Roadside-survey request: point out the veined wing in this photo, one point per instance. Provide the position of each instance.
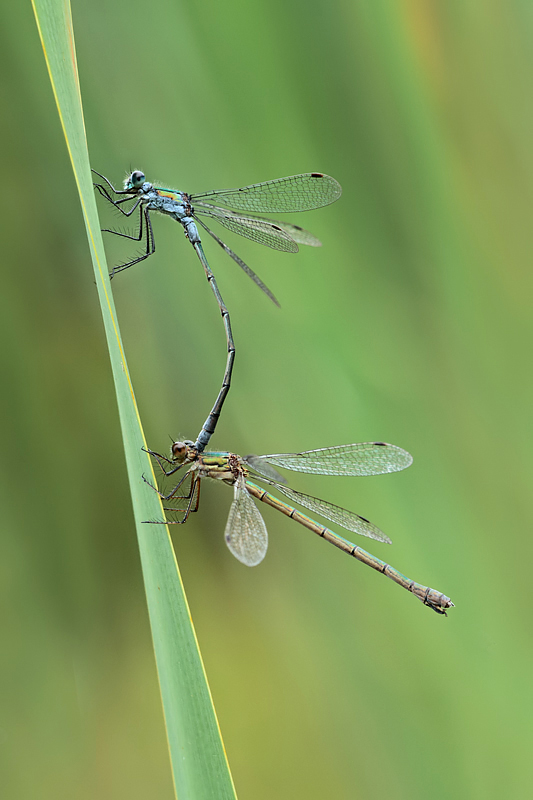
(300, 235)
(294, 193)
(246, 534)
(262, 231)
(363, 458)
(256, 279)
(295, 232)
(341, 516)
(262, 467)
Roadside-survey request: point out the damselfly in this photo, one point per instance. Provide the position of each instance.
(246, 533)
(294, 193)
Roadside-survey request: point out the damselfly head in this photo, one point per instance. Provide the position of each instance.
(180, 450)
(134, 181)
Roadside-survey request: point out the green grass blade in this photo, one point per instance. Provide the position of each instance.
(199, 764)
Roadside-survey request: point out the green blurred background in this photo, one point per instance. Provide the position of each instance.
(412, 325)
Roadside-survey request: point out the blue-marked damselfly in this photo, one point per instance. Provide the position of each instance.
(282, 195)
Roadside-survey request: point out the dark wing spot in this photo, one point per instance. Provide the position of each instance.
(365, 520)
(276, 227)
(317, 174)
(381, 444)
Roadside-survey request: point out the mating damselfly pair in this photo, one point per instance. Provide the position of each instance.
(246, 534)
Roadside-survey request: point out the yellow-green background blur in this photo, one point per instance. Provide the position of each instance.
(411, 325)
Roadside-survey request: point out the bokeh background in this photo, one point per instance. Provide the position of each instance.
(411, 325)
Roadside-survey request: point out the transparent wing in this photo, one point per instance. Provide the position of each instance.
(299, 235)
(341, 516)
(258, 230)
(363, 458)
(295, 193)
(256, 279)
(246, 534)
(262, 467)
(295, 232)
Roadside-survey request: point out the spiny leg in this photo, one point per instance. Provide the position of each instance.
(199, 483)
(102, 191)
(117, 203)
(116, 191)
(159, 458)
(143, 213)
(172, 494)
(139, 236)
(211, 422)
(105, 194)
(150, 242)
(194, 498)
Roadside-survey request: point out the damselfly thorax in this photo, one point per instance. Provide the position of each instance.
(217, 466)
(226, 467)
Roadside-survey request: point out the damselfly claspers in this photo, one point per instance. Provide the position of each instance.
(246, 533)
(294, 193)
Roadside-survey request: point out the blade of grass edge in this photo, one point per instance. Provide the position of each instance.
(199, 763)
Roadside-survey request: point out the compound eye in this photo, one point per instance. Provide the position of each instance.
(179, 451)
(137, 178)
